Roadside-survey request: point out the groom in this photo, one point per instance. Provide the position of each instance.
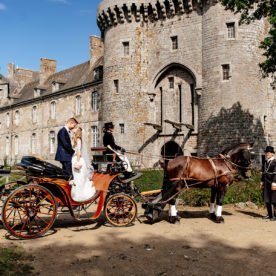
(64, 149)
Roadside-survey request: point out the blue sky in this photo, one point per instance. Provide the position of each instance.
(55, 29)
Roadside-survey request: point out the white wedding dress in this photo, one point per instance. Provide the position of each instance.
(82, 184)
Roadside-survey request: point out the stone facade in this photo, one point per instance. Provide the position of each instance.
(32, 113)
(213, 62)
(179, 76)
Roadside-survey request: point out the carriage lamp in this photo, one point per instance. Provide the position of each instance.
(151, 96)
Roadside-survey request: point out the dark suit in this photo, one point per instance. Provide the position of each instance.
(64, 150)
(269, 177)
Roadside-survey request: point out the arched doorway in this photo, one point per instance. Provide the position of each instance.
(170, 150)
(176, 99)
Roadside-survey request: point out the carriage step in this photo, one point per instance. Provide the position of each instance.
(125, 181)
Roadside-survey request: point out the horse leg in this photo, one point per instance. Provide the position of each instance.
(212, 214)
(173, 218)
(219, 203)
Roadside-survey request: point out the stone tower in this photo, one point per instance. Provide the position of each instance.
(184, 61)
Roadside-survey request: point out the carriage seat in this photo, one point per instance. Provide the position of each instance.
(38, 167)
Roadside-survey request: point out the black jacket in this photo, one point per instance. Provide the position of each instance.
(108, 139)
(269, 177)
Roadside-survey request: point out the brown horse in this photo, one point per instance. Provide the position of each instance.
(217, 173)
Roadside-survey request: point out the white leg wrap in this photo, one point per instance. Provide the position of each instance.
(173, 211)
(219, 211)
(212, 208)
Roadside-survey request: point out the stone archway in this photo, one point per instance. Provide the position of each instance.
(170, 150)
(175, 98)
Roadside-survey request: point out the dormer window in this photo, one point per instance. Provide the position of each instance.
(55, 86)
(37, 92)
(98, 73)
(58, 83)
(4, 90)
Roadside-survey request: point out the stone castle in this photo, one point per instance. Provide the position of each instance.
(174, 76)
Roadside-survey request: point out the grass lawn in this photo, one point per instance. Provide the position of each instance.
(13, 262)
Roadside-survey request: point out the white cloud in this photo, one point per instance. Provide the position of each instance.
(66, 2)
(2, 7)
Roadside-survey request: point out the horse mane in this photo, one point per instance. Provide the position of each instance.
(234, 148)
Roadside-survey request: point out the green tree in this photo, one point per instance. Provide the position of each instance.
(251, 10)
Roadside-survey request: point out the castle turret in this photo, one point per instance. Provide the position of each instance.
(176, 63)
(152, 68)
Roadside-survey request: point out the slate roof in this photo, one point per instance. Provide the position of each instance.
(69, 78)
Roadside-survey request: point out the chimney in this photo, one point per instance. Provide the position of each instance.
(96, 49)
(24, 76)
(47, 68)
(11, 70)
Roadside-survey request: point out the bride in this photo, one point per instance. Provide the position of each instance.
(82, 185)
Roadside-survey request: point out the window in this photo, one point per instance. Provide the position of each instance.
(225, 71)
(171, 82)
(33, 143)
(34, 114)
(7, 146)
(16, 145)
(52, 142)
(116, 86)
(53, 110)
(16, 117)
(231, 30)
(0, 125)
(8, 120)
(94, 136)
(122, 128)
(78, 106)
(37, 92)
(126, 48)
(55, 86)
(95, 105)
(98, 73)
(174, 42)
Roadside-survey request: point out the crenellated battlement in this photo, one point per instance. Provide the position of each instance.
(111, 13)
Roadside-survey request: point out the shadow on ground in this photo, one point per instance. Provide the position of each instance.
(154, 255)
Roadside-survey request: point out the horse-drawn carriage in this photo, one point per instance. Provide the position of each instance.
(30, 210)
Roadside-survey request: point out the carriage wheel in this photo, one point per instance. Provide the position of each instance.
(120, 210)
(29, 211)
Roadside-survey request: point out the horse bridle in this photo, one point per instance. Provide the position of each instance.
(234, 164)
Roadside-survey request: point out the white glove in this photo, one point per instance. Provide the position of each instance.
(77, 166)
(273, 186)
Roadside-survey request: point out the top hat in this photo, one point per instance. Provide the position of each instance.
(108, 125)
(269, 149)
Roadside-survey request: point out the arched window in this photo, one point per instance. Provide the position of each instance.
(34, 114)
(8, 120)
(33, 143)
(16, 145)
(78, 106)
(16, 117)
(52, 142)
(53, 110)
(7, 146)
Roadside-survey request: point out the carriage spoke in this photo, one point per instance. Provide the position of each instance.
(29, 211)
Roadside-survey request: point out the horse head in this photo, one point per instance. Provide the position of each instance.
(240, 157)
